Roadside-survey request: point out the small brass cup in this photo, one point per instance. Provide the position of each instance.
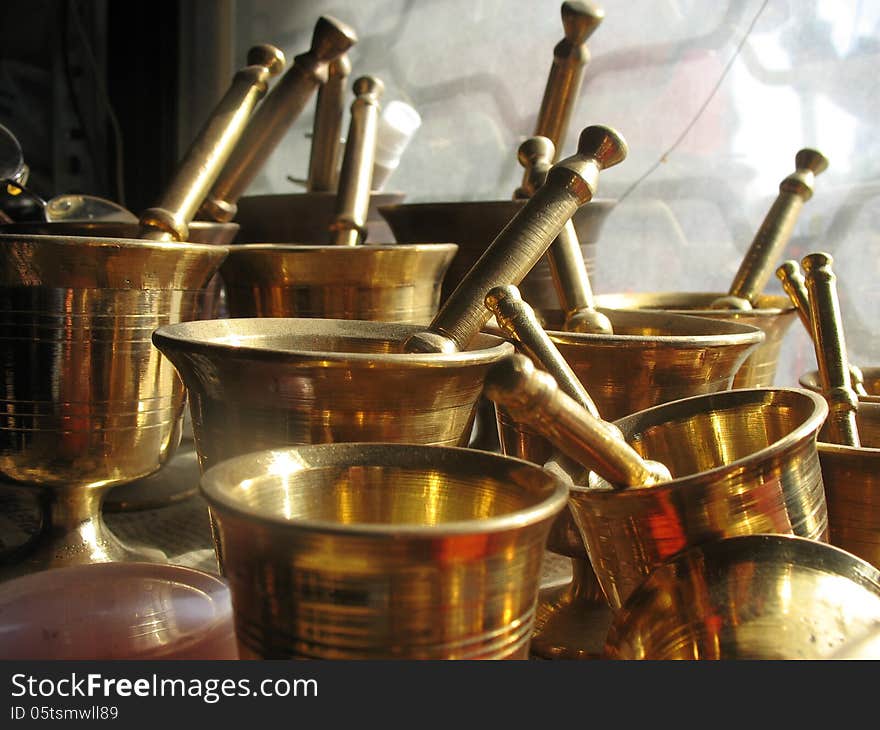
(264, 383)
(378, 551)
(473, 224)
(742, 461)
(749, 597)
(88, 402)
(773, 314)
(388, 283)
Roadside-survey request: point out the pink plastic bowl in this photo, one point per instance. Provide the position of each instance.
(117, 611)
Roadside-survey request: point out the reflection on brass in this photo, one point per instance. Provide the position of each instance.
(473, 224)
(264, 383)
(389, 283)
(282, 106)
(749, 597)
(570, 56)
(772, 314)
(830, 347)
(532, 397)
(169, 218)
(652, 358)
(864, 647)
(382, 551)
(87, 401)
(565, 258)
(743, 462)
(774, 233)
(327, 128)
(570, 183)
(356, 177)
(870, 378)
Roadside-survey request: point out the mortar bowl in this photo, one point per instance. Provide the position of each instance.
(264, 383)
(388, 283)
(749, 597)
(382, 551)
(773, 314)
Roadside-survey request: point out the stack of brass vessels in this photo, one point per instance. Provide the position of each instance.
(88, 401)
(744, 302)
(472, 224)
(849, 445)
(344, 279)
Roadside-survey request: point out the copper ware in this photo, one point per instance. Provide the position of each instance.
(261, 383)
(327, 127)
(382, 551)
(87, 401)
(330, 39)
(743, 461)
(744, 301)
(749, 597)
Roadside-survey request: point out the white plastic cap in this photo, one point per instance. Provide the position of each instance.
(397, 125)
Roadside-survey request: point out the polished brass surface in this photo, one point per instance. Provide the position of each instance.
(270, 382)
(473, 224)
(830, 347)
(327, 127)
(356, 177)
(760, 260)
(532, 397)
(168, 220)
(305, 218)
(272, 119)
(390, 283)
(570, 56)
(511, 255)
(87, 401)
(743, 462)
(773, 314)
(378, 551)
(864, 647)
(519, 321)
(749, 597)
(852, 486)
(209, 232)
(870, 379)
(565, 258)
(789, 273)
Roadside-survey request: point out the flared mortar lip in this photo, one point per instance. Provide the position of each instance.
(783, 305)
(212, 481)
(115, 242)
(270, 247)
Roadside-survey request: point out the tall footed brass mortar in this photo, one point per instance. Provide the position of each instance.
(382, 551)
(651, 358)
(678, 474)
(88, 402)
(745, 301)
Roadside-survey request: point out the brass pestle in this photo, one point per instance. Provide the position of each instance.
(327, 128)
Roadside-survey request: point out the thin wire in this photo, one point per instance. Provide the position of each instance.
(108, 107)
(681, 137)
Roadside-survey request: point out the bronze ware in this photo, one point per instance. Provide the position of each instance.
(749, 597)
(744, 301)
(789, 273)
(282, 106)
(381, 551)
(327, 128)
(356, 177)
(830, 346)
(87, 401)
(168, 220)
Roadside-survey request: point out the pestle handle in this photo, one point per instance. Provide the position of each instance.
(331, 38)
(349, 227)
(570, 57)
(533, 397)
(516, 317)
(327, 127)
(169, 219)
(517, 248)
(828, 339)
(775, 232)
(789, 273)
(565, 258)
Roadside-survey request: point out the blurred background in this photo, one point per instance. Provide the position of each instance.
(715, 97)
